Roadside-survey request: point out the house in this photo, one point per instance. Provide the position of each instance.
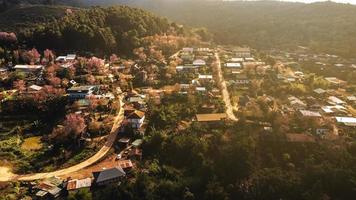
(126, 165)
(236, 60)
(347, 121)
(128, 109)
(200, 76)
(241, 79)
(319, 91)
(290, 79)
(28, 68)
(107, 176)
(136, 119)
(187, 68)
(242, 52)
(249, 59)
(253, 63)
(188, 50)
(296, 103)
(233, 65)
(299, 74)
(34, 88)
(335, 101)
(203, 49)
(77, 184)
(205, 79)
(236, 71)
(336, 109)
(124, 142)
(309, 113)
(210, 117)
(3, 71)
(335, 81)
(136, 98)
(81, 92)
(48, 192)
(49, 189)
(199, 62)
(184, 86)
(68, 58)
(351, 99)
(200, 89)
(66, 65)
(304, 138)
(135, 153)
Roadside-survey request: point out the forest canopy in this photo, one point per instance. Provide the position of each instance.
(325, 27)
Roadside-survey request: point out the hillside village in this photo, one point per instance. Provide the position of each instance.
(314, 108)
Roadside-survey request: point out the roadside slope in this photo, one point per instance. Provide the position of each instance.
(8, 176)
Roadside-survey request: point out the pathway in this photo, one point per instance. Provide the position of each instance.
(6, 175)
(224, 91)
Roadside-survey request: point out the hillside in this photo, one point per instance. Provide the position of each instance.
(22, 17)
(326, 27)
(97, 30)
(8, 4)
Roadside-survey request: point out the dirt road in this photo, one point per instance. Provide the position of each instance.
(224, 91)
(6, 175)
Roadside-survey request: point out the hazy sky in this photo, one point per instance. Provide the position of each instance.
(310, 1)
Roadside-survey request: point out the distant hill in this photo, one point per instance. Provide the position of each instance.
(97, 30)
(20, 18)
(327, 27)
(324, 27)
(8, 4)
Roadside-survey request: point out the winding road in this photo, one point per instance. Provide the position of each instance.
(225, 93)
(6, 175)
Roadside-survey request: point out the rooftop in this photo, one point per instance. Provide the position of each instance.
(238, 65)
(295, 137)
(136, 115)
(35, 87)
(30, 67)
(211, 117)
(124, 164)
(308, 113)
(236, 59)
(77, 184)
(205, 76)
(108, 174)
(319, 91)
(348, 121)
(336, 100)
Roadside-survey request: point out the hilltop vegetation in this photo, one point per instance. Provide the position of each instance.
(325, 27)
(24, 17)
(98, 30)
(7, 4)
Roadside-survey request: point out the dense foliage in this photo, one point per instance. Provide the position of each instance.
(326, 27)
(99, 30)
(8, 4)
(233, 161)
(96, 30)
(21, 18)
